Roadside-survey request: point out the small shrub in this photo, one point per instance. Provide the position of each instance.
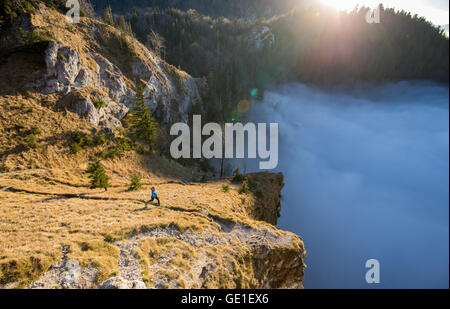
(102, 154)
(135, 183)
(244, 189)
(31, 141)
(99, 103)
(225, 188)
(20, 127)
(109, 238)
(69, 28)
(25, 108)
(33, 37)
(84, 246)
(251, 183)
(83, 139)
(122, 145)
(111, 153)
(35, 130)
(139, 149)
(88, 140)
(79, 138)
(97, 174)
(237, 177)
(76, 148)
(100, 140)
(125, 144)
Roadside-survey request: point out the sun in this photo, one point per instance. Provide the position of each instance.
(346, 5)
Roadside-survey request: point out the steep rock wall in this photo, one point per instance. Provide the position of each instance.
(109, 63)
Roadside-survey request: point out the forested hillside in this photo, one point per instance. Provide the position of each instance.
(240, 57)
(213, 8)
(312, 44)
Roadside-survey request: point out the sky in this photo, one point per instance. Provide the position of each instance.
(436, 11)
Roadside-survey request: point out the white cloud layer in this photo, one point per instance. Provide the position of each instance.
(366, 178)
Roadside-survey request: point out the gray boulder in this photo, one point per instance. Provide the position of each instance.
(120, 283)
(171, 94)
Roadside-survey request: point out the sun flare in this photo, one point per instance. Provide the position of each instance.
(347, 5)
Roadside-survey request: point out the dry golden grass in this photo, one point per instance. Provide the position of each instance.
(51, 209)
(178, 254)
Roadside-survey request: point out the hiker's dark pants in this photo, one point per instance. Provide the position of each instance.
(155, 198)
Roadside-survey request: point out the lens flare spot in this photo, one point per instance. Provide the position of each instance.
(254, 92)
(243, 106)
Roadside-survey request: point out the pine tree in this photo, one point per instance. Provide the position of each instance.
(135, 183)
(141, 122)
(108, 18)
(125, 26)
(97, 175)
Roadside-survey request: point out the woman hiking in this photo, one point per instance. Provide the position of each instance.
(154, 196)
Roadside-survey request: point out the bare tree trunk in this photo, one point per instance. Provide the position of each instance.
(223, 150)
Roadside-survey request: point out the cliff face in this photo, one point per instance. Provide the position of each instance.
(91, 62)
(267, 190)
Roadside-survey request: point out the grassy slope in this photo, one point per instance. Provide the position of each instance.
(45, 200)
(48, 203)
(45, 210)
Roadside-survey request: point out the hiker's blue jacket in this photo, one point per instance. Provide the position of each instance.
(154, 194)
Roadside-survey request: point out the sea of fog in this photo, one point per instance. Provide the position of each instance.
(367, 177)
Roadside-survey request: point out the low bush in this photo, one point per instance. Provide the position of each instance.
(35, 130)
(125, 144)
(99, 103)
(237, 177)
(31, 141)
(76, 148)
(251, 183)
(101, 140)
(83, 139)
(111, 152)
(244, 189)
(135, 183)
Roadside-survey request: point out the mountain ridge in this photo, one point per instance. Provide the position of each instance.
(215, 8)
